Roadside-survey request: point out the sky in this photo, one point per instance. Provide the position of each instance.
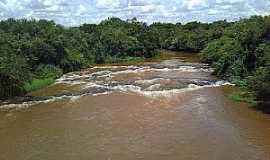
(76, 12)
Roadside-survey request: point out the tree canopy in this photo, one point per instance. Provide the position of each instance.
(32, 49)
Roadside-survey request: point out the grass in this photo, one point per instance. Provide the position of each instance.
(242, 95)
(37, 84)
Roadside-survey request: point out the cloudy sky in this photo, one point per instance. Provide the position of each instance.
(75, 12)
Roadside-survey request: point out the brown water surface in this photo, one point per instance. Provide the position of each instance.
(169, 108)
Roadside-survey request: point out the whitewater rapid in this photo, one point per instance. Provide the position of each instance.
(162, 79)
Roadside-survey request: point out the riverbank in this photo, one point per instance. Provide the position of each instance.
(240, 93)
(40, 83)
(244, 95)
(37, 84)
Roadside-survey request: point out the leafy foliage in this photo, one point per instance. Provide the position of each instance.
(34, 52)
(243, 52)
(30, 49)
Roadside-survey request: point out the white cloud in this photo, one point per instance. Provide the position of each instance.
(71, 12)
(107, 3)
(213, 12)
(149, 8)
(191, 4)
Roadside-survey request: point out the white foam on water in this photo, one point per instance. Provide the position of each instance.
(105, 93)
(72, 99)
(149, 92)
(153, 87)
(76, 79)
(75, 98)
(133, 70)
(73, 79)
(89, 80)
(31, 103)
(100, 73)
(114, 67)
(182, 69)
(18, 106)
(126, 88)
(172, 92)
(149, 69)
(193, 86)
(98, 84)
(151, 81)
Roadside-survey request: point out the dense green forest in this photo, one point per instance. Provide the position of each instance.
(238, 51)
(34, 51)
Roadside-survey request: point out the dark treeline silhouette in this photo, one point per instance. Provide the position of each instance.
(30, 49)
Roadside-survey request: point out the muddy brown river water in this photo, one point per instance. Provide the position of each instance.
(167, 108)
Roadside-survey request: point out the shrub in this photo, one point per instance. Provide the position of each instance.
(48, 71)
(260, 83)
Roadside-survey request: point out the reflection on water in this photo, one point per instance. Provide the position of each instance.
(165, 108)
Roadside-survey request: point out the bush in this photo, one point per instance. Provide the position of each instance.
(48, 71)
(260, 83)
(10, 87)
(211, 54)
(14, 72)
(226, 56)
(73, 61)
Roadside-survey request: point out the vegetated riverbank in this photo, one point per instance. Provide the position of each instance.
(238, 51)
(37, 84)
(244, 95)
(32, 52)
(240, 92)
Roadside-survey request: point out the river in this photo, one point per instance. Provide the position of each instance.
(166, 108)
